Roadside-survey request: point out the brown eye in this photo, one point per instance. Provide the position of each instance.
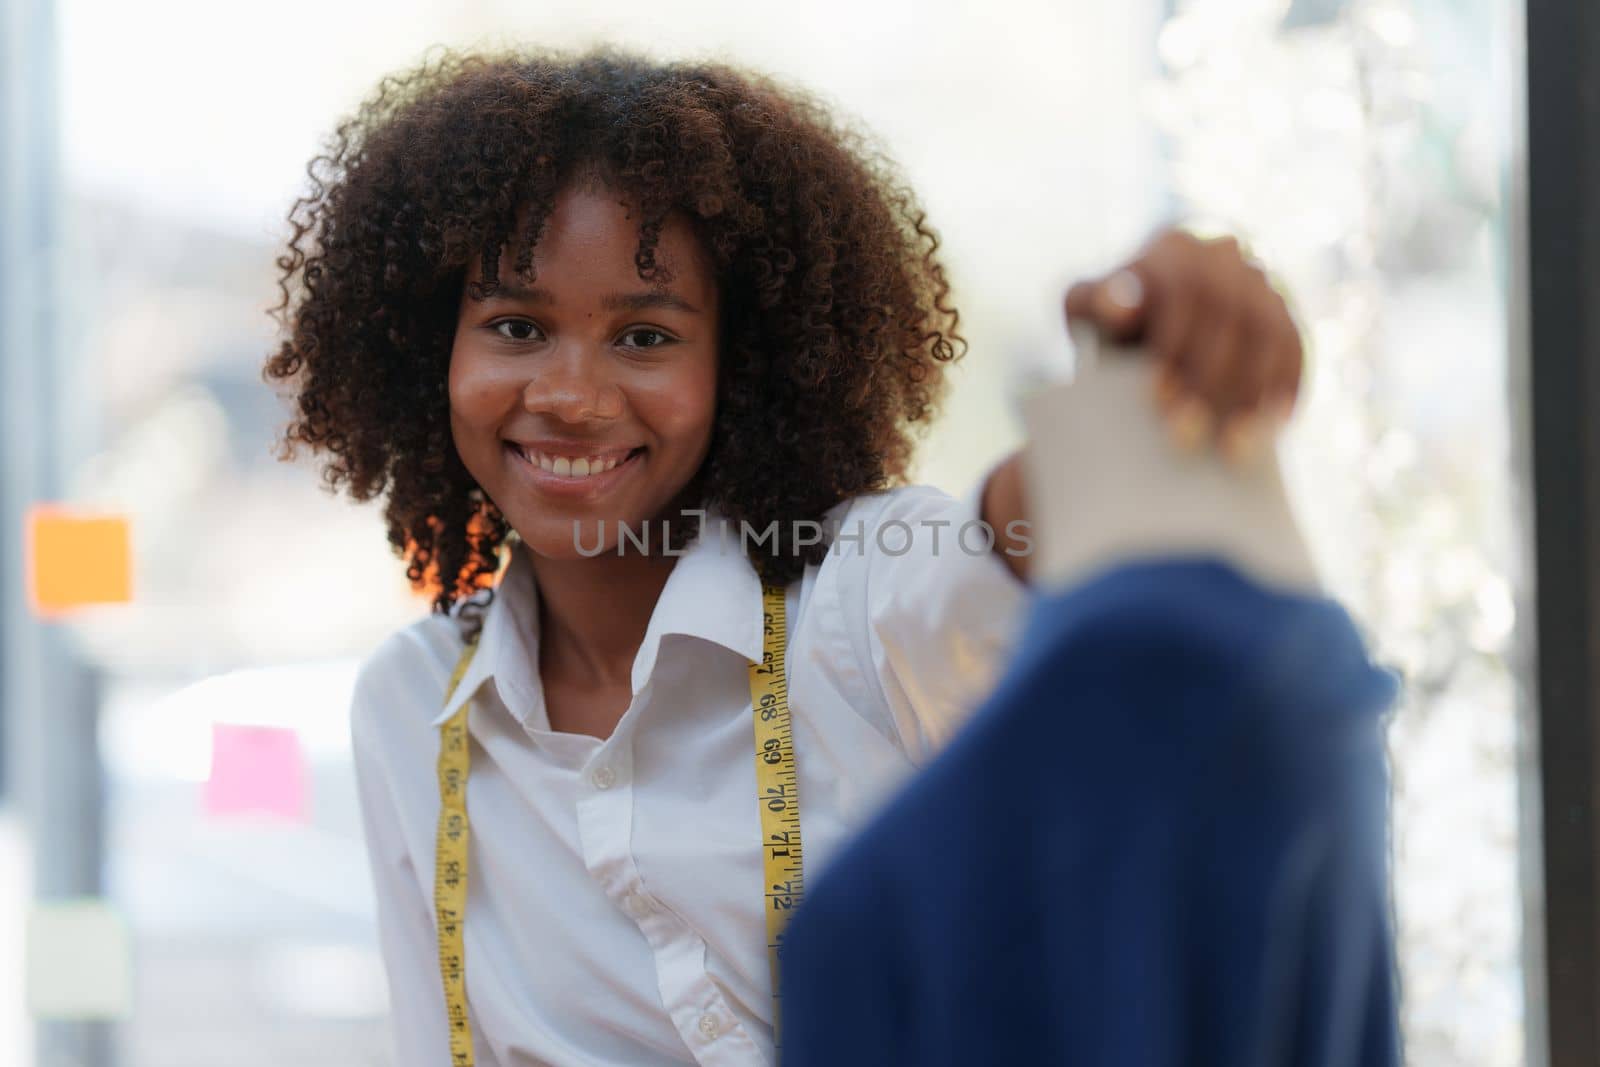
(515, 324)
(660, 337)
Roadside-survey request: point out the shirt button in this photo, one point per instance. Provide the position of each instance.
(708, 1026)
(603, 777)
(638, 905)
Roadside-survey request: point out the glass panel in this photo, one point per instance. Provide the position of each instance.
(1359, 146)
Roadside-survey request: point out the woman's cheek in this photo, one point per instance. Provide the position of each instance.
(476, 392)
(699, 397)
(678, 407)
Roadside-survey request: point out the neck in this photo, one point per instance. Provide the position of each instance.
(593, 612)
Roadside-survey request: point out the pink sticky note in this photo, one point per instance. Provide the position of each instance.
(256, 769)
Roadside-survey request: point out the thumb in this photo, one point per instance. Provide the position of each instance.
(1114, 304)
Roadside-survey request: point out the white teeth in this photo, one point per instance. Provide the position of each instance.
(570, 468)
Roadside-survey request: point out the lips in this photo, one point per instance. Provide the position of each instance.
(580, 477)
(570, 466)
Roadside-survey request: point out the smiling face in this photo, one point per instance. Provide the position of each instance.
(590, 396)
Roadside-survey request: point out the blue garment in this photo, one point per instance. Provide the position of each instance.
(1162, 841)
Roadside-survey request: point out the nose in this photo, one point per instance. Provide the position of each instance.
(574, 385)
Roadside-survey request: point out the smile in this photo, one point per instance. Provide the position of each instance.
(583, 475)
(569, 467)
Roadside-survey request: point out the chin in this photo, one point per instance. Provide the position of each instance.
(572, 536)
(577, 536)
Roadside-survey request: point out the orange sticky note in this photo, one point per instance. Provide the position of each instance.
(76, 559)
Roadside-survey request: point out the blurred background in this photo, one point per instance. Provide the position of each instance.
(152, 151)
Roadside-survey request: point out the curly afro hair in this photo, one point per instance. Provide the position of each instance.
(836, 320)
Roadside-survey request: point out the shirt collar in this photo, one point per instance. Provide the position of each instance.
(508, 643)
(713, 593)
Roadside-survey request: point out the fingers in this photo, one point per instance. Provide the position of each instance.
(1216, 363)
(1292, 359)
(1114, 304)
(1229, 353)
(1173, 327)
(1263, 386)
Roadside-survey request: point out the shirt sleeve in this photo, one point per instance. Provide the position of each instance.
(935, 610)
(405, 918)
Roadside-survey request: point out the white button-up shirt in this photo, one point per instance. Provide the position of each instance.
(615, 910)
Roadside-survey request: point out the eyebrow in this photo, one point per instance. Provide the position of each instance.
(638, 301)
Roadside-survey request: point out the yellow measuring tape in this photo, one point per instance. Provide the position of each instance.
(450, 866)
(777, 790)
(777, 796)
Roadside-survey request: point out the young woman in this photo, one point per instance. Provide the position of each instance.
(622, 344)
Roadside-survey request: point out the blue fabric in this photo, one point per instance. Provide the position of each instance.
(1161, 841)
